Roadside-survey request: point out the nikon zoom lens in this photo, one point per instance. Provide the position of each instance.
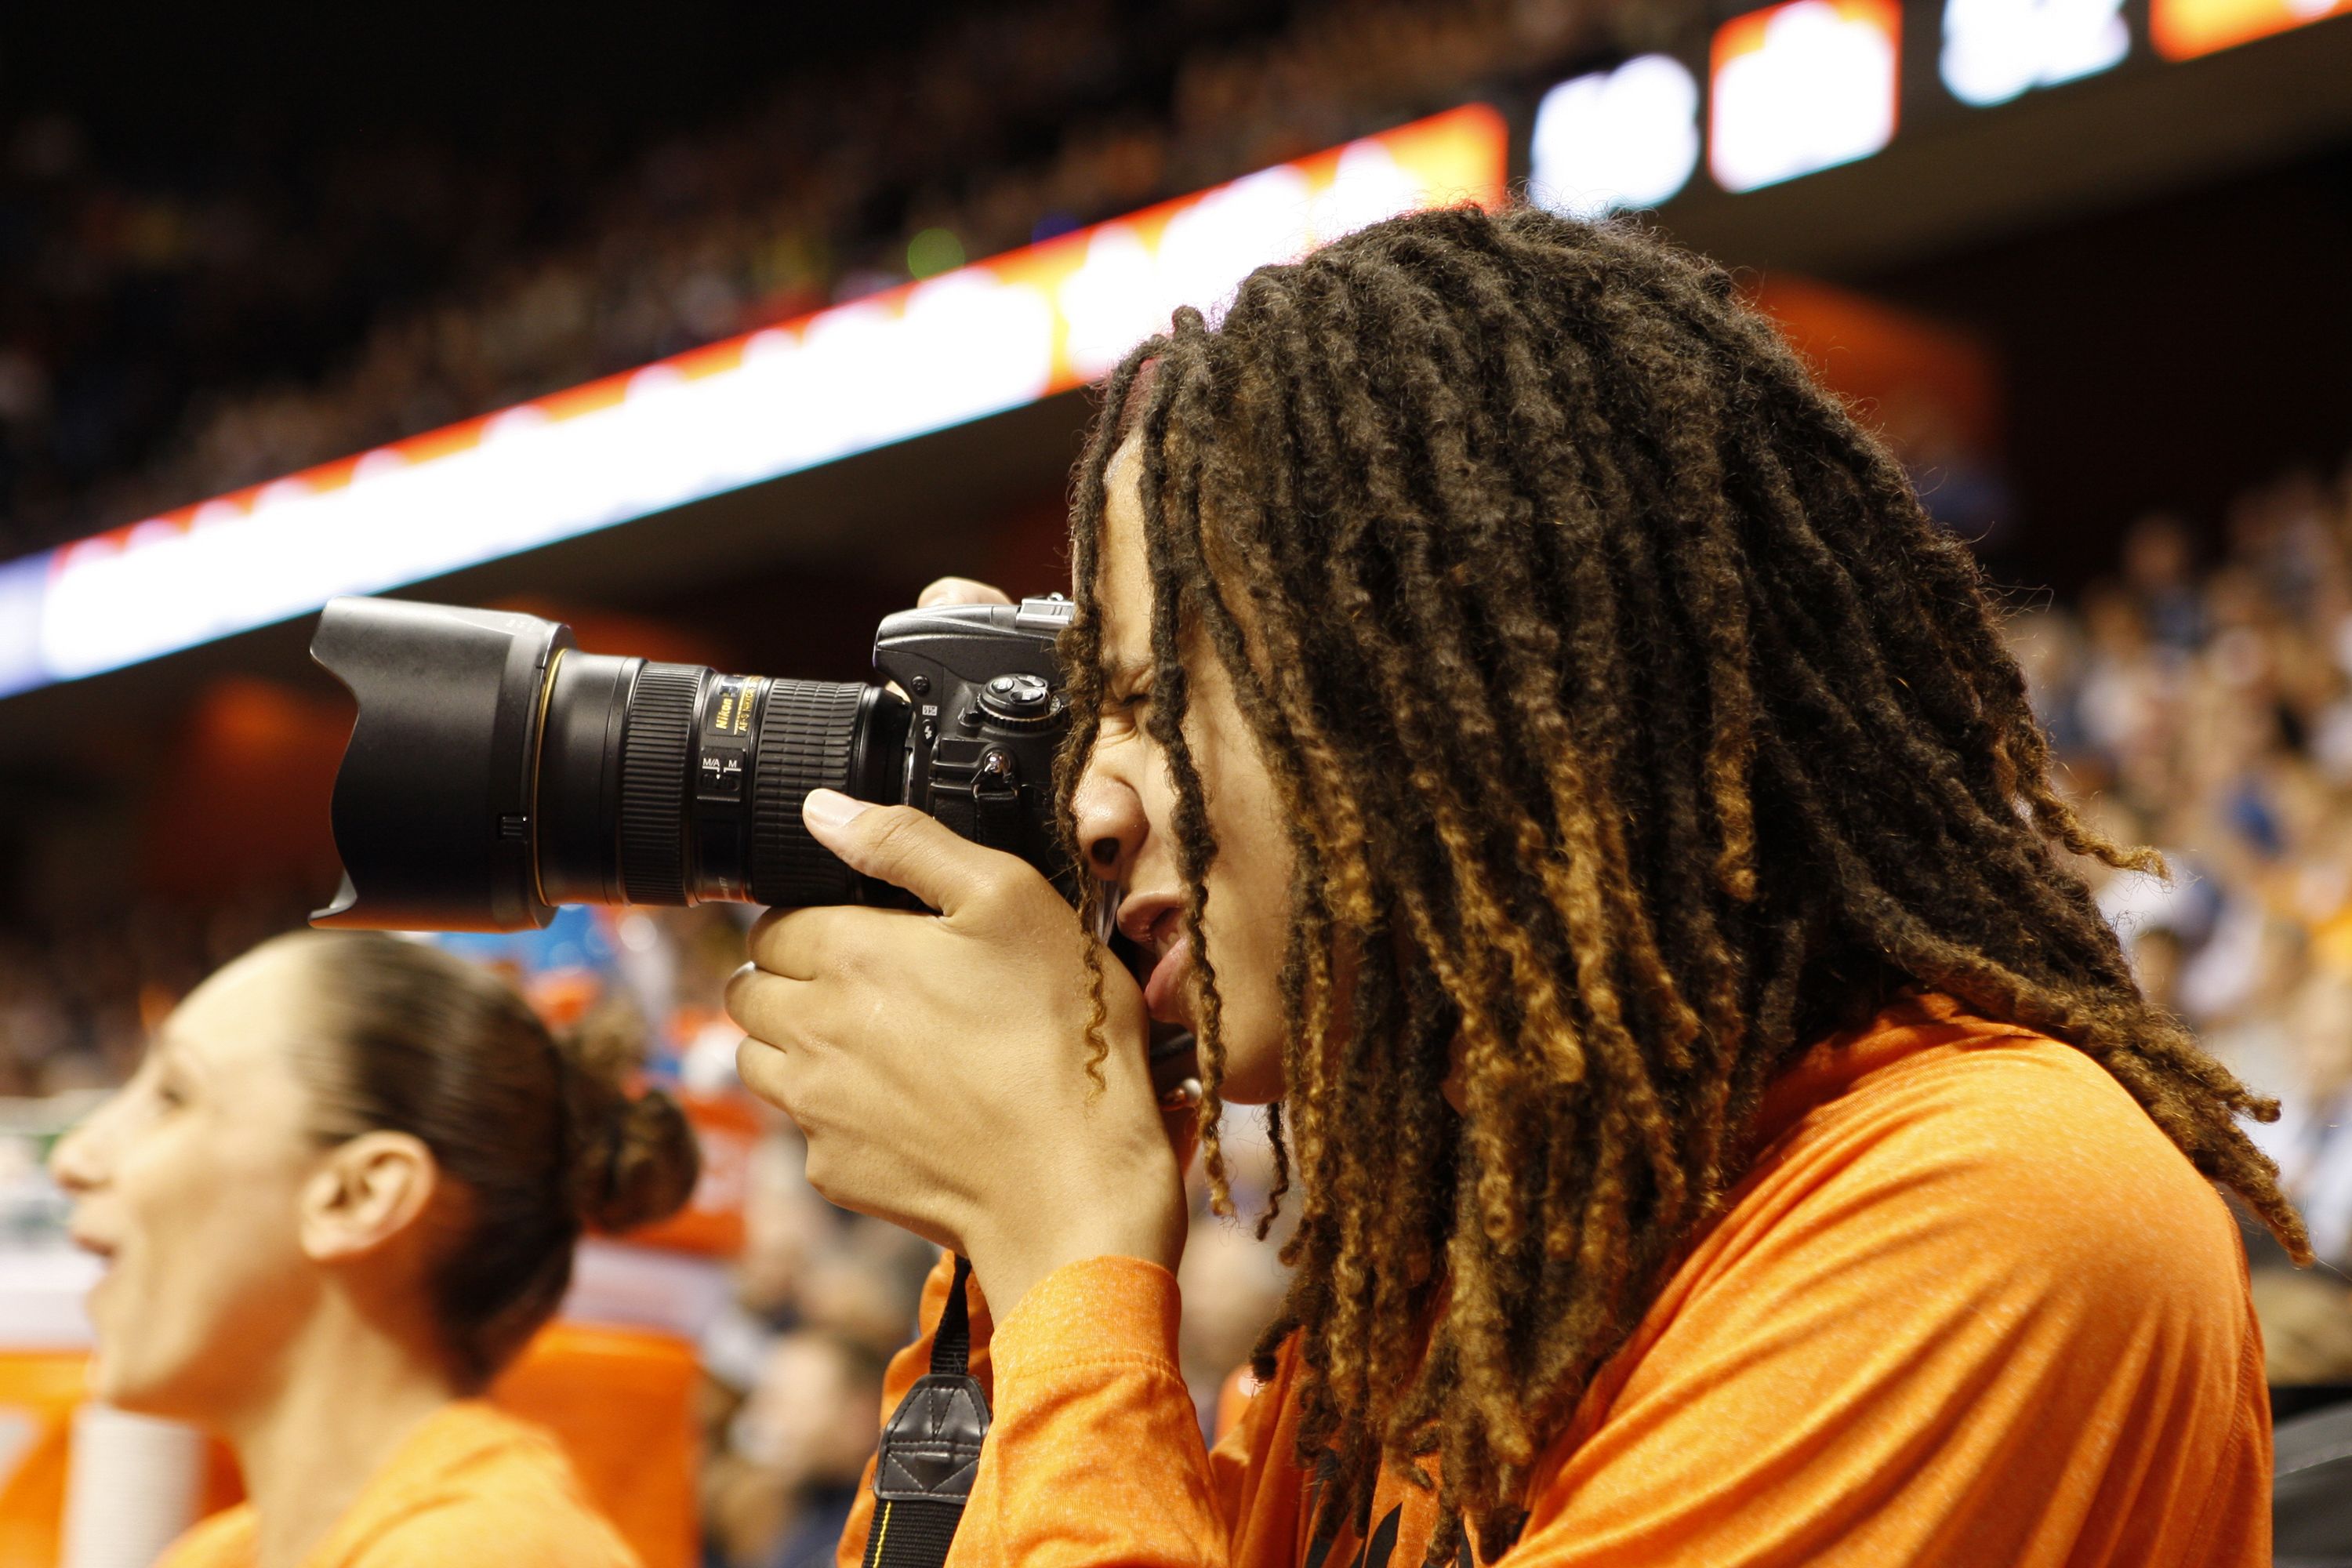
(496, 769)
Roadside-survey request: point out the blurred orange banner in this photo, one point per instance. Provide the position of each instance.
(2184, 29)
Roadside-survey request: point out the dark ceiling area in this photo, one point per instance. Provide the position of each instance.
(158, 84)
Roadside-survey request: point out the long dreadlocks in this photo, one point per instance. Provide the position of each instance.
(1635, 728)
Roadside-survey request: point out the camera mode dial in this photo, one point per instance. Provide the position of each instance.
(1021, 702)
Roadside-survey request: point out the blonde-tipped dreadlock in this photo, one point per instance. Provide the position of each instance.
(1636, 728)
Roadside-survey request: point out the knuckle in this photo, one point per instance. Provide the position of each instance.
(898, 831)
(999, 882)
(773, 940)
(769, 937)
(739, 992)
(747, 998)
(763, 1070)
(1007, 892)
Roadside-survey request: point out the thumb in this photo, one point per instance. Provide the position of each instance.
(902, 846)
(961, 591)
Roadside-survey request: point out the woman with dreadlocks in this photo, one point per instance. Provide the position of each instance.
(1548, 757)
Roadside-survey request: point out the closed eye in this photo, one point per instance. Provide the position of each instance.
(1127, 686)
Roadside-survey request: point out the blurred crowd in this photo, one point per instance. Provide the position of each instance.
(2201, 700)
(164, 342)
(78, 995)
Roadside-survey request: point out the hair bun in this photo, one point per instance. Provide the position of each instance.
(652, 1162)
(632, 1157)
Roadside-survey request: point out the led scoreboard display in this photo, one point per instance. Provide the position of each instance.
(1792, 90)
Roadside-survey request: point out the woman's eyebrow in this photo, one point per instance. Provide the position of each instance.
(166, 1048)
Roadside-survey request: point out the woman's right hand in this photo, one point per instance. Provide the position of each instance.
(1177, 1083)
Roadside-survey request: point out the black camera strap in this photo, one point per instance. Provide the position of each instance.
(930, 1449)
(990, 815)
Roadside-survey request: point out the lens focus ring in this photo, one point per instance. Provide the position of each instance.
(808, 737)
(654, 783)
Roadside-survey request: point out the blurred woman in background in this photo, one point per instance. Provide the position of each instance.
(341, 1193)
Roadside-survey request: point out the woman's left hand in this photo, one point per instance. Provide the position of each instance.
(937, 1063)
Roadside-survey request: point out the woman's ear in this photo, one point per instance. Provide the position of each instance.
(367, 1192)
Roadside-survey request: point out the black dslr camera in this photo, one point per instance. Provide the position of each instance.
(497, 771)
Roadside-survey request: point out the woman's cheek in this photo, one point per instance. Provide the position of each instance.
(148, 1307)
(213, 1276)
(1247, 949)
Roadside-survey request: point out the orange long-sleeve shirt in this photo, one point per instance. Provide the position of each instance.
(471, 1484)
(1968, 1308)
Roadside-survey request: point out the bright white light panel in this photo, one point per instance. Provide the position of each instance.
(1995, 50)
(1800, 87)
(1615, 140)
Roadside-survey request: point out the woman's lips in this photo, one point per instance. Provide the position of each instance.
(1164, 994)
(93, 1300)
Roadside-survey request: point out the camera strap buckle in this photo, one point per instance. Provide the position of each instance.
(990, 815)
(996, 814)
(930, 1449)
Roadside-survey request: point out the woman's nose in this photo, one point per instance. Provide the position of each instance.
(77, 1164)
(1110, 824)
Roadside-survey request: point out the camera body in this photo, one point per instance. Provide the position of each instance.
(986, 715)
(496, 769)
